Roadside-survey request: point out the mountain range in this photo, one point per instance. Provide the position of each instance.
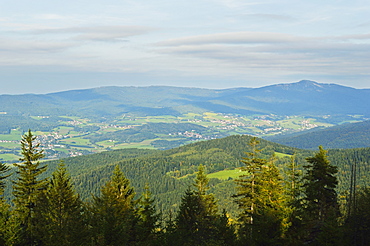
(302, 98)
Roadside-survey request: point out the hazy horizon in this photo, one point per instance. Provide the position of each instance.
(48, 46)
(225, 88)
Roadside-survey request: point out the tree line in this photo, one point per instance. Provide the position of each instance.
(303, 208)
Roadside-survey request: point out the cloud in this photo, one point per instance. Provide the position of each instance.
(233, 38)
(98, 33)
(246, 51)
(33, 46)
(354, 37)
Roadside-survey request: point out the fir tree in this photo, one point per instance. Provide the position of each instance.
(293, 191)
(5, 223)
(248, 191)
(27, 187)
(260, 197)
(197, 222)
(4, 169)
(113, 214)
(148, 219)
(357, 225)
(321, 209)
(60, 216)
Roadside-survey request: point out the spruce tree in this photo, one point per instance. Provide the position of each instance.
(5, 234)
(260, 196)
(248, 191)
(27, 187)
(321, 209)
(113, 214)
(148, 219)
(293, 191)
(357, 224)
(197, 222)
(60, 216)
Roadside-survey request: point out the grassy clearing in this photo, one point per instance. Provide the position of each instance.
(10, 145)
(10, 137)
(226, 174)
(281, 155)
(162, 119)
(142, 145)
(9, 157)
(107, 143)
(62, 150)
(77, 141)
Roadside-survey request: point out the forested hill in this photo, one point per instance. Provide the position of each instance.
(354, 135)
(304, 97)
(169, 172)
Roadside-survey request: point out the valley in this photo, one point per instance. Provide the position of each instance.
(73, 136)
(80, 122)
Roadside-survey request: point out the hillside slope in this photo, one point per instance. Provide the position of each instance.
(346, 136)
(170, 172)
(304, 97)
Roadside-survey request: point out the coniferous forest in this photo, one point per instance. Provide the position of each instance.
(302, 198)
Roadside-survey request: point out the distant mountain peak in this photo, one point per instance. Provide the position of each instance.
(304, 85)
(309, 83)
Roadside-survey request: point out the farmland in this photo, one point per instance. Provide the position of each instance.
(72, 136)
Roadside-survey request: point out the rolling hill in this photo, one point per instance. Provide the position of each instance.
(350, 135)
(170, 172)
(76, 122)
(304, 97)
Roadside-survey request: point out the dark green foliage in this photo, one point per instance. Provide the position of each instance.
(28, 187)
(170, 172)
(23, 123)
(261, 200)
(198, 221)
(358, 222)
(320, 204)
(346, 136)
(270, 213)
(112, 213)
(149, 220)
(293, 191)
(4, 169)
(60, 215)
(5, 223)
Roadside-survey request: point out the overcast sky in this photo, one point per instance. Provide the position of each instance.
(48, 46)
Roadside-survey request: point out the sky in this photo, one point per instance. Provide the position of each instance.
(48, 46)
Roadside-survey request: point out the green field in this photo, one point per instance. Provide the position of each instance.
(281, 155)
(9, 157)
(226, 174)
(76, 132)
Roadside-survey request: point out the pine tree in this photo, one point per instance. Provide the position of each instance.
(321, 209)
(113, 213)
(27, 187)
(60, 216)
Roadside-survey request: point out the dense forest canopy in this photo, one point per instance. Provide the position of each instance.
(256, 193)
